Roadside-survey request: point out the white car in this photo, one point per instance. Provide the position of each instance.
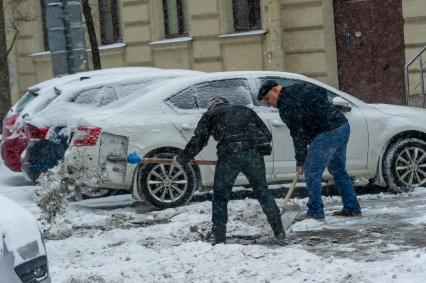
(22, 252)
(46, 130)
(387, 142)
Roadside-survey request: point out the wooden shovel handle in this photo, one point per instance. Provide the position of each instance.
(169, 161)
(292, 187)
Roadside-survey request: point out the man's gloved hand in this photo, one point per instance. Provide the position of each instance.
(299, 169)
(176, 163)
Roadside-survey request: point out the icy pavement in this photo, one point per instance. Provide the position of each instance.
(114, 240)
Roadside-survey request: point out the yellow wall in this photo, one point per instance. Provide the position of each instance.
(414, 12)
(298, 37)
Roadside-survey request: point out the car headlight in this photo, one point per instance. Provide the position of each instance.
(35, 270)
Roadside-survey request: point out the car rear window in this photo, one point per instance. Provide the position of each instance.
(24, 100)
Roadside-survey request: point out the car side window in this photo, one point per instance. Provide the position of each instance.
(184, 100)
(235, 90)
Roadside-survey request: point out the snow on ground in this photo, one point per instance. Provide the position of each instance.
(116, 240)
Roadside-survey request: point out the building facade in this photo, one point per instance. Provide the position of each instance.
(358, 46)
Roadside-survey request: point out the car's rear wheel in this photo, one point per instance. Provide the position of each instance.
(404, 164)
(164, 185)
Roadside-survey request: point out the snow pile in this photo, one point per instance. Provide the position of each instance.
(133, 245)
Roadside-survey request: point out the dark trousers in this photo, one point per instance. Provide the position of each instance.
(253, 167)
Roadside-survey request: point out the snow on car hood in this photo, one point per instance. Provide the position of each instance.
(402, 111)
(20, 230)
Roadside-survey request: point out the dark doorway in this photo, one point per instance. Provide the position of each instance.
(370, 49)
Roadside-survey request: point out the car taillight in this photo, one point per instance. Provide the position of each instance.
(8, 122)
(86, 136)
(35, 134)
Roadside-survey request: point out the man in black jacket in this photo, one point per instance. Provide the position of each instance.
(316, 122)
(242, 139)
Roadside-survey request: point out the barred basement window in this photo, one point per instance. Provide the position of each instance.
(246, 15)
(109, 21)
(175, 18)
(44, 25)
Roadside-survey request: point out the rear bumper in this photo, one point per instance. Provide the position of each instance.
(40, 156)
(11, 150)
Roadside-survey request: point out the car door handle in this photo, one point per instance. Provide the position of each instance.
(187, 127)
(277, 123)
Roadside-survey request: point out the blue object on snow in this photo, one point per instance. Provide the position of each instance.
(134, 158)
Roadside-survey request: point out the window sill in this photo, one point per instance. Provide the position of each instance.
(183, 39)
(112, 46)
(101, 47)
(245, 33)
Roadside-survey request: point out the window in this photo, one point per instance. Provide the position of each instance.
(236, 91)
(44, 25)
(175, 20)
(246, 15)
(109, 21)
(184, 100)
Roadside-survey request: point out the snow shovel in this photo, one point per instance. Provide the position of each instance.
(290, 209)
(134, 158)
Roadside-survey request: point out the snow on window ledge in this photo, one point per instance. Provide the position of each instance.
(112, 46)
(245, 33)
(182, 39)
(101, 47)
(42, 53)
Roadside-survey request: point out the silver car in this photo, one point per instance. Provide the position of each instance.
(23, 255)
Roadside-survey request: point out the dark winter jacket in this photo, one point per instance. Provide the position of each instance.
(235, 128)
(307, 113)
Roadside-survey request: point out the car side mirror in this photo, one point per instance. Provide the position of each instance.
(342, 104)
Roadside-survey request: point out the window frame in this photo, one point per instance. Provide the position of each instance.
(252, 19)
(115, 19)
(44, 25)
(180, 13)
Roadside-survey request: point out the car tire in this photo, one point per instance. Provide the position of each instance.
(404, 163)
(90, 193)
(165, 186)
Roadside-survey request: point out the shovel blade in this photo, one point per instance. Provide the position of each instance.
(288, 213)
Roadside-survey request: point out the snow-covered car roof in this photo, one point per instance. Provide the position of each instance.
(147, 105)
(37, 88)
(19, 229)
(157, 92)
(51, 115)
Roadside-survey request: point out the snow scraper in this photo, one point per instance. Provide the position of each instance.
(290, 209)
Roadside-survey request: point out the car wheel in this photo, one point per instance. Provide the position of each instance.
(164, 185)
(404, 164)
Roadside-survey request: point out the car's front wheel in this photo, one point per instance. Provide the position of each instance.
(164, 185)
(404, 164)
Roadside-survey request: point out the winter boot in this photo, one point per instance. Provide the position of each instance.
(347, 213)
(277, 227)
(219, 235)
(305, 216)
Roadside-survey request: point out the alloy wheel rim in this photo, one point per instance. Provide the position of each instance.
(167, 183)
(410, 166)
